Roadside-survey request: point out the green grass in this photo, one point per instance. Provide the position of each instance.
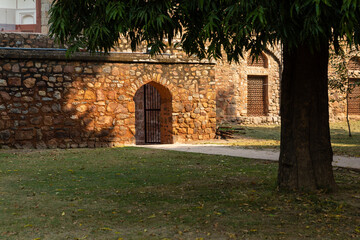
(341, 142)
(135, 193)
(268, 136)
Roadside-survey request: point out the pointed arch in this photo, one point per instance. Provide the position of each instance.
(153, 79)
(165, 113)
(260, 61)
(354, 63)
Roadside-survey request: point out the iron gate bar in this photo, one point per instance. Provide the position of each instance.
(152, 105)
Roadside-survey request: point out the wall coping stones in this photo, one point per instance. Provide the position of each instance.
(118, 57)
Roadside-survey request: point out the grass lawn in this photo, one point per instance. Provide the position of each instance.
(136, 193)
(268, 136)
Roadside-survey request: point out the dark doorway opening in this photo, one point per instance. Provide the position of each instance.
(152, 103)
(153, 114)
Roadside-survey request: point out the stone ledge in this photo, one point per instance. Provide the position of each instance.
(60, 54)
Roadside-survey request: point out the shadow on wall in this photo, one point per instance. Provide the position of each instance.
(226, 105)
(48, 104)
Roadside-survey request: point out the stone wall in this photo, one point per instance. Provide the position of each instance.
(26, 40)
(337, 98)
(49, 101)
(232, 89)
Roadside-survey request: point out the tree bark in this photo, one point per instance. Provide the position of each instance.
(347, 105)
(305, 150)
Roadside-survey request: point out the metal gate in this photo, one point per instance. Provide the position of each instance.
(152, 107)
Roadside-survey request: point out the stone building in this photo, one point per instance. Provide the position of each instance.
(48, 100)
(340, 103)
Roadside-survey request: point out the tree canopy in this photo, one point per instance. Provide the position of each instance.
(205, 25)
(209, 28)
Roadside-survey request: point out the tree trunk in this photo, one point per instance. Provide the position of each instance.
(347, 106)
(305, 151)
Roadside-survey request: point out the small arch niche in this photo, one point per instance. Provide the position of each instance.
(354, 63)
(153, 115)
(27, 19)
(260, 61)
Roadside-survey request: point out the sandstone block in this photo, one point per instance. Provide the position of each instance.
(81, 108)
(48, 121)
(112, 95)
(5, 96)
(105, 120)
(27, 99)
(57, 69)
(122, 116)
(78, 69)
(3, 83)
(131, 107)
(178, 107)
(88, 70)
(7, 67)
(97, 69)
(69, 69)
(89, 95)
(29, 82)
(31, 64)
(100, 95)
(15, 68)
(107, 69)
(67, 108)
(14, 81)
(112, 106)
(24, 135)
(115, 71)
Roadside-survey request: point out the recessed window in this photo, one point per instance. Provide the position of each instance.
(257, 96)
(354, 63)
(354, 97)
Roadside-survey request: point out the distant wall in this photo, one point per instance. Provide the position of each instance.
(232, 90)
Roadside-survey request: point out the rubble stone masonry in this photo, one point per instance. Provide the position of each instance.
(232, 89)
(92, 100)
(49, 101)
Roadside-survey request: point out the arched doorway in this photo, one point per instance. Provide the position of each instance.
(153, 114)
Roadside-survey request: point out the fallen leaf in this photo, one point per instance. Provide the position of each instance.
(106, 229)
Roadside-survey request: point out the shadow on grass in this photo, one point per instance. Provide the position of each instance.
(263, 135)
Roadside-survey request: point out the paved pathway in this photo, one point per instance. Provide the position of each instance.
(272, 155)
